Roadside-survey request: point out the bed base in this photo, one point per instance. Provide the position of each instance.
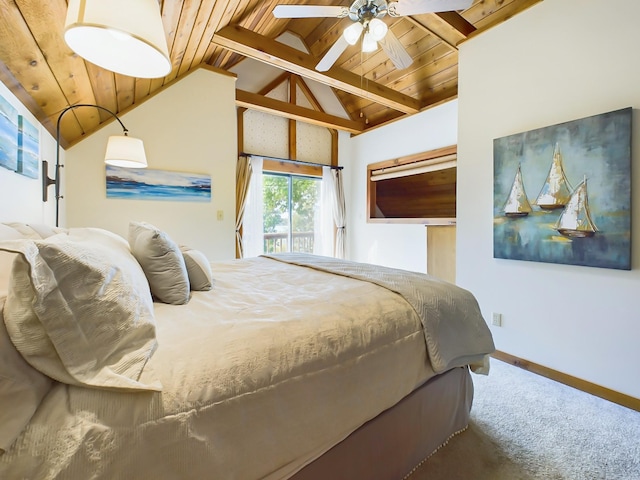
(392, 445)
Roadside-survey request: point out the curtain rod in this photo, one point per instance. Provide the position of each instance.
(288, 160)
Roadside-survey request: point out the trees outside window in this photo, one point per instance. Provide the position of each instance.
(290, 206)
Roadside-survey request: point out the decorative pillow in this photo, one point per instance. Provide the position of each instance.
(161, 261)
(22, 388)
(79, 310)
(198, 268)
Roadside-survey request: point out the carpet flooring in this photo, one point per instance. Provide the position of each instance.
(527, 427)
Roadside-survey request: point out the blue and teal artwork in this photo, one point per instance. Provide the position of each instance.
(8, 135)
(562, 193)
(28, 148)
(149, 184)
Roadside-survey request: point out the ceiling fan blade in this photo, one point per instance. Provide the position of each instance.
(403, 8)
(396, 52)
(332, 55)
(309, 11)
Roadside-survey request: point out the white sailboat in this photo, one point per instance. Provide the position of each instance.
(576, 220)
(556, 191)
(517, 204)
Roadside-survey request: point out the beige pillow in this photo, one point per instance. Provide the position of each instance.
(79, 310)
(198, 268)
(161, 261)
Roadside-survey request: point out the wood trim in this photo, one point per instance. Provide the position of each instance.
(417, 157)
(272, 52)
(577, 383)
(272, 106)
(269, 165)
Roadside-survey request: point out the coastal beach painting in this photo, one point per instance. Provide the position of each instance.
(562, 193)
(8, 135)
(28, 148)
(149, 184)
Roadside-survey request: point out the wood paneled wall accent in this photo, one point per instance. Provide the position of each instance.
(441, 251)
(428, 197)
(588, 387)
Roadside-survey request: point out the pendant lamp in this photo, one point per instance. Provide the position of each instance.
(124, 36)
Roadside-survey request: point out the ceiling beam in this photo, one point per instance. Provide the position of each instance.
(253, 101)
(458, 22)
(272, 52)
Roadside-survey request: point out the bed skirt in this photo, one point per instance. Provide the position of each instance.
(393, 444)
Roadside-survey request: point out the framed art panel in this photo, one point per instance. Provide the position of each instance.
(562, 193)
(150, 184)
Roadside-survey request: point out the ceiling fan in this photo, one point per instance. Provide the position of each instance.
(366, 15)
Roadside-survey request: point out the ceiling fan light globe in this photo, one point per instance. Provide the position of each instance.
(352, 33)
(369, 44)
(377, 29)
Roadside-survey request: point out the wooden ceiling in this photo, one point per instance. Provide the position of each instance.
(39, 68)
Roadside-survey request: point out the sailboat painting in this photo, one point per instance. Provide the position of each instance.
(579, 173)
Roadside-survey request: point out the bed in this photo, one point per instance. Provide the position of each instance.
(138, 358)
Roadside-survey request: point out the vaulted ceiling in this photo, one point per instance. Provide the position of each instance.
(39, 68)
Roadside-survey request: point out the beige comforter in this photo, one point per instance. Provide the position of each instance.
(261, 375)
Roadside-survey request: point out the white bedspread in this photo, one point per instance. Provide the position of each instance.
(261, 375)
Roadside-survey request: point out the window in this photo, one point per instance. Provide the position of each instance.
(291, 205)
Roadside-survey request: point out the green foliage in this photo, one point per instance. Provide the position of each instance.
(305, 194)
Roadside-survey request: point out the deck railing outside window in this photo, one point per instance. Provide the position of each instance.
(279, 242)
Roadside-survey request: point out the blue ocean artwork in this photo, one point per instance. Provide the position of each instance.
(562, 193)
(28, 148)
(163, 185)
(8, 135)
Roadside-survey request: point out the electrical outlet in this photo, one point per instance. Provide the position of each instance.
(496, 319)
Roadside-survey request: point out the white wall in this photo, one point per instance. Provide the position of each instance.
(20, 196)
(560, 60)
(394, 245)
(189, 127)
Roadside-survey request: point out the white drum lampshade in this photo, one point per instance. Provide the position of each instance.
(124, 36)
(125, 151)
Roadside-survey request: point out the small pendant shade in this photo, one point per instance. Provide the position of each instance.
(125, 151)
(124, 36)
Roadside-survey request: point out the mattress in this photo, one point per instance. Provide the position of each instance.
(260, 376)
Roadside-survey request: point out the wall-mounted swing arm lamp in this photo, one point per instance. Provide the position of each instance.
(122, 151)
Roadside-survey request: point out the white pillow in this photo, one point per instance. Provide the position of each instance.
(198, 268)
(161, 261)
(79, 310)
(22, 388)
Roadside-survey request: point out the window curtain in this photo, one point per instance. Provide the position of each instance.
(323, 220)
(332, 179)
(243, 178)
(253, 225)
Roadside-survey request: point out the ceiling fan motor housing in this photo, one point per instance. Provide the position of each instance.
(365, 10)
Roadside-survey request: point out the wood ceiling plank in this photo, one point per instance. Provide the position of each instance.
(272, 106)
(7, 78)
(142, 89)
(26, 62)
(125, 91)
(46, 23)
(282, 56)
(181, 38)
(197, 32)
(503, 12)
(103, 83)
